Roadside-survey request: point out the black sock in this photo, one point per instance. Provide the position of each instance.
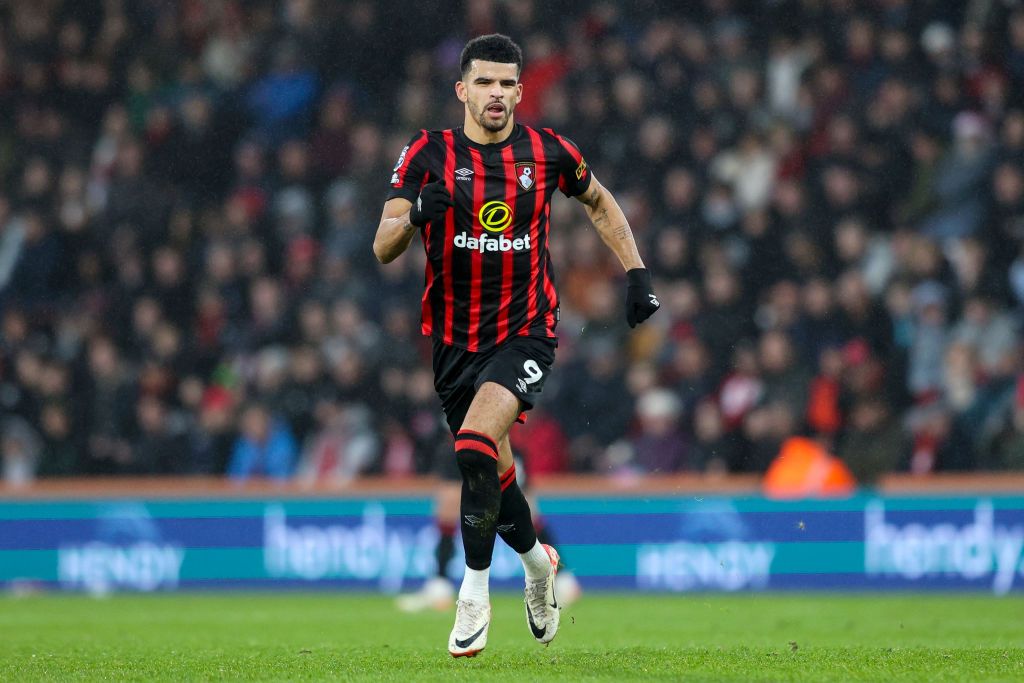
(477, 456)
(515, 523)
(445, 547)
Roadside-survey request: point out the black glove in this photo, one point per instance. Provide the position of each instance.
(432, 203)
(640, 300)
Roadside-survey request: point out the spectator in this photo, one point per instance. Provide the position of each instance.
(593, 404)
(212, 435)
(20, 448)
(993, 336)
(542, 444)
(344, 448)
(874, 443)
(825, 395)
(930, 335)
(107, 409)
(785, 379)
(161, 448)
(959, 179)
(1005, 442)
(60, 455)
(264, 448)
(659, 444)
(713, 450)
(847, 198)
(280, 100)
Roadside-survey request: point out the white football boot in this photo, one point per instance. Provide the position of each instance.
(542, 609)
(469, 636)
(437, 594)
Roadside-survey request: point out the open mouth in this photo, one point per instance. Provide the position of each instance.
(496, 109)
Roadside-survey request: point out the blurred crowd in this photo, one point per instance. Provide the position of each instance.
(829, 193)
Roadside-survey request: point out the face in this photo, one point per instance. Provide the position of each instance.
(491, 91)
(256, 424)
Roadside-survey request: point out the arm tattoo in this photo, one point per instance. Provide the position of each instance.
(592, 197)
(623, 232)
(600, 217)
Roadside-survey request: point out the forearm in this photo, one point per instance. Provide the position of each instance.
(393, 237)
(610, 222)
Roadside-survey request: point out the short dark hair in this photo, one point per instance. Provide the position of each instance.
(493, 47)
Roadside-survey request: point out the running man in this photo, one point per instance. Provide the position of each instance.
(480, 197)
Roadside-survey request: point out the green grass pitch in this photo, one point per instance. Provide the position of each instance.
(335, 636)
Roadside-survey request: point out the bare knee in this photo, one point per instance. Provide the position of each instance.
(492, 412)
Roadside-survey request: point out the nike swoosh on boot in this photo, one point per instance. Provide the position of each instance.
(537, 632)
(469, 641)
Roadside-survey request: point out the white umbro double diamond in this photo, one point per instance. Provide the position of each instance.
(654, 300)
(463, 173)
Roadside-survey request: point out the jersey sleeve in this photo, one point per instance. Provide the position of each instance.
(410, 169)
(573, 174)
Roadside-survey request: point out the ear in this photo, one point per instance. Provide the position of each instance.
(519, 93)
(461, 92)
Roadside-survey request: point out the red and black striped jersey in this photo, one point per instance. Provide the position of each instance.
(489, 274)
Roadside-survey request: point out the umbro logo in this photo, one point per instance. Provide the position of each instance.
(463, 173)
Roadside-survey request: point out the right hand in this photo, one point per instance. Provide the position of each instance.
(641, 303)
(433, 202)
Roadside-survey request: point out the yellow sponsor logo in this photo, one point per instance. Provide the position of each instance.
(581, 170)
(495, 216)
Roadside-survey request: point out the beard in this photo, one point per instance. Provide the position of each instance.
(487, 123)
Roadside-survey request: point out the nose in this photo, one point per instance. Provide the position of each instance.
(496, 91)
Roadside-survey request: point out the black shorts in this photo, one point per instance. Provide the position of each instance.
(520, 364)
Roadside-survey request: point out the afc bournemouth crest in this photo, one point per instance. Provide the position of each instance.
(526, 174)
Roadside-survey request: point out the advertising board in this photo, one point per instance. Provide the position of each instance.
(659, 543)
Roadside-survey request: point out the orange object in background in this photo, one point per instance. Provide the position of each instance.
(803, 469)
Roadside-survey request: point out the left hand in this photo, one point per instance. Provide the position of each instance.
(641, 303)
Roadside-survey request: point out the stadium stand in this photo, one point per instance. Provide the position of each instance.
(831, 194)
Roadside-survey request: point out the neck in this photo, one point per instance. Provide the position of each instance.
(480, 135)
